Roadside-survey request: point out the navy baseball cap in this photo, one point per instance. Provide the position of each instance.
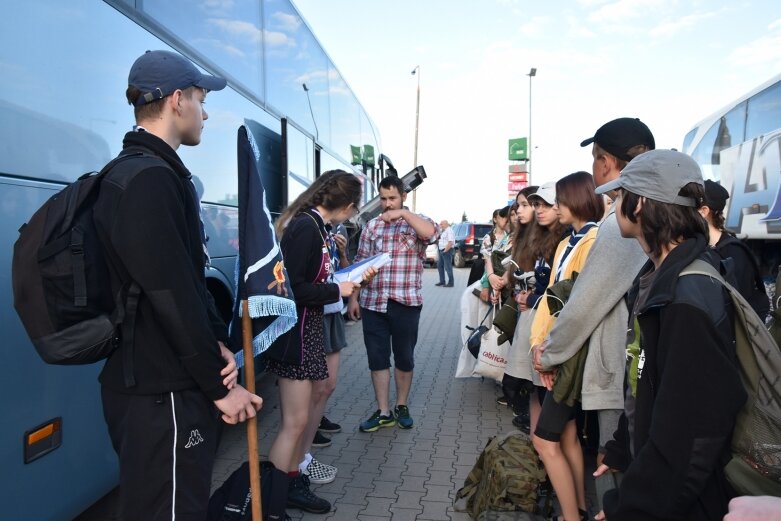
(619, 135)
(158, 74)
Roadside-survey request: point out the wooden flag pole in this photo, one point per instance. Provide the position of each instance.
(252, 423)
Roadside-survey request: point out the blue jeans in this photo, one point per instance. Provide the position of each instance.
(445, 262)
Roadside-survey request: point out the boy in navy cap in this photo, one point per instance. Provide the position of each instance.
(165, 387)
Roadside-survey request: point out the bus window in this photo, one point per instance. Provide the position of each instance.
(300, 162)
(687, 141)
(227, 33)
(764, 112)
(724, 133)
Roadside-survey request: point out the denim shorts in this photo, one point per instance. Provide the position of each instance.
(396, 331)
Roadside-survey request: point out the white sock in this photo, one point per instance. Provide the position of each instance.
(304, 464)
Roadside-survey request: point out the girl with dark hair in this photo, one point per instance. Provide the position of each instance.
(496, 245)
(744, 265)
(535, 255)
(298, 357)
(555, 435)
(686, 387)
(515, 389)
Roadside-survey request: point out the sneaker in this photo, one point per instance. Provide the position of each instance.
(522, 422)
(299, 496)
(327, 425)
(502, 400)
(320, 473)
(402, 416)
(320, 440)
(439, 284)
(376, 421)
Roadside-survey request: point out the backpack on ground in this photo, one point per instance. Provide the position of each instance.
(754, 468)
(505, 477)
(232, 500)
(60, 277)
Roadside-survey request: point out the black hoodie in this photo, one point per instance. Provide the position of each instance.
(688, 394)
(149, 225)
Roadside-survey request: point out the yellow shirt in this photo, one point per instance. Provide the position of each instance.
(543, 321)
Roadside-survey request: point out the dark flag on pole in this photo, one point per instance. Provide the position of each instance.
(260, 271)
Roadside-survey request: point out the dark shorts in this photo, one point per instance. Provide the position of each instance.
(333, 329)
(396, 330)
(553, 418)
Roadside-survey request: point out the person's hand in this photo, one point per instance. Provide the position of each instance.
(600, 516)
(602, 469)
(495, 297)
(754, 508)
(346, 288)
(353, 309)
(230, 372)
(369, 274)
(341, 242)
(537, 351)
(497, 282)
(238, 405)
(391, 215)
(548, 378)
(484, 296)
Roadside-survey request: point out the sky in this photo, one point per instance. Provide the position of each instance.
(671, 63)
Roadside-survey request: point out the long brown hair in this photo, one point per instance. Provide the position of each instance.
(522, 232)
(576, 192)
(332, 190)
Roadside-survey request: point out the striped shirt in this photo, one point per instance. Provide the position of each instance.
(401, 279)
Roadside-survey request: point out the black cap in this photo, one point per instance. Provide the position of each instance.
(715, 196)
(619, 135)
(158, 74)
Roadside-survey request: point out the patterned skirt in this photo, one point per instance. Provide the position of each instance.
(313, 366)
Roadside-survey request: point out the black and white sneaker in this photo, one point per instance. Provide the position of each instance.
(328, 426)
(320, 473)
(320, 440)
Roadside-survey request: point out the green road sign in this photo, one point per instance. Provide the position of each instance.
(368, 154)
(356, 153)
(518, 149)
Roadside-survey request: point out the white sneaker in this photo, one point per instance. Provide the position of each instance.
(320, 473)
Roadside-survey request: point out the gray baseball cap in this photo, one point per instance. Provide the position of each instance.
(158, 74)
(658, 175)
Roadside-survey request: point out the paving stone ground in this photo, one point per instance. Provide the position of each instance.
(395, 474)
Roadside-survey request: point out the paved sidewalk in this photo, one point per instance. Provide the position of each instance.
(393, 473)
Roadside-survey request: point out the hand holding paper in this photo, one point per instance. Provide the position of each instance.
(356, 272)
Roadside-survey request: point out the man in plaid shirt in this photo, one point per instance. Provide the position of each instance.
(390, 304)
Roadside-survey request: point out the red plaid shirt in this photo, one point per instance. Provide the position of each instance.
(401, 279)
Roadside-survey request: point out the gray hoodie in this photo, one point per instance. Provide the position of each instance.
(596, 312)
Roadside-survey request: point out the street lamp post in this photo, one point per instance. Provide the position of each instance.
(532, 74)
(416, 71)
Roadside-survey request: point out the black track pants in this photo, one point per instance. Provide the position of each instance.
(166, 445)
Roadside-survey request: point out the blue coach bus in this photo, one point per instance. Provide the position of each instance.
(62, 113)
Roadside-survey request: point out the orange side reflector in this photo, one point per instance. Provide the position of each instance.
(44, 432)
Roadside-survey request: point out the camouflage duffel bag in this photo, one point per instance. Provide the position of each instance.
(505, 477)
(492, 515)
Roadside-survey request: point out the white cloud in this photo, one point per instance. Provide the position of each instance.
(578, 28)
(238, 28)
(287, 22)
(765, 50)
(624, 11)
(669, 28)
(536, 26)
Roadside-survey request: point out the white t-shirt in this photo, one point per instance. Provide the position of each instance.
(446, 237)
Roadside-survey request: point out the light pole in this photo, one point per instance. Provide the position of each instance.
(416, 71)
(532, 74)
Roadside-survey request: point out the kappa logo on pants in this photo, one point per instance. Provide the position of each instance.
(195, 439)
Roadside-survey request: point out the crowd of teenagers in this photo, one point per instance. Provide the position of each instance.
(164, 399)
(606, 328)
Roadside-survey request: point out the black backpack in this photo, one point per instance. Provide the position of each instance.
(61, 280)
(232, 501)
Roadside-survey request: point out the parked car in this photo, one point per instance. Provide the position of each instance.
(467, 242)
(432, 254)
